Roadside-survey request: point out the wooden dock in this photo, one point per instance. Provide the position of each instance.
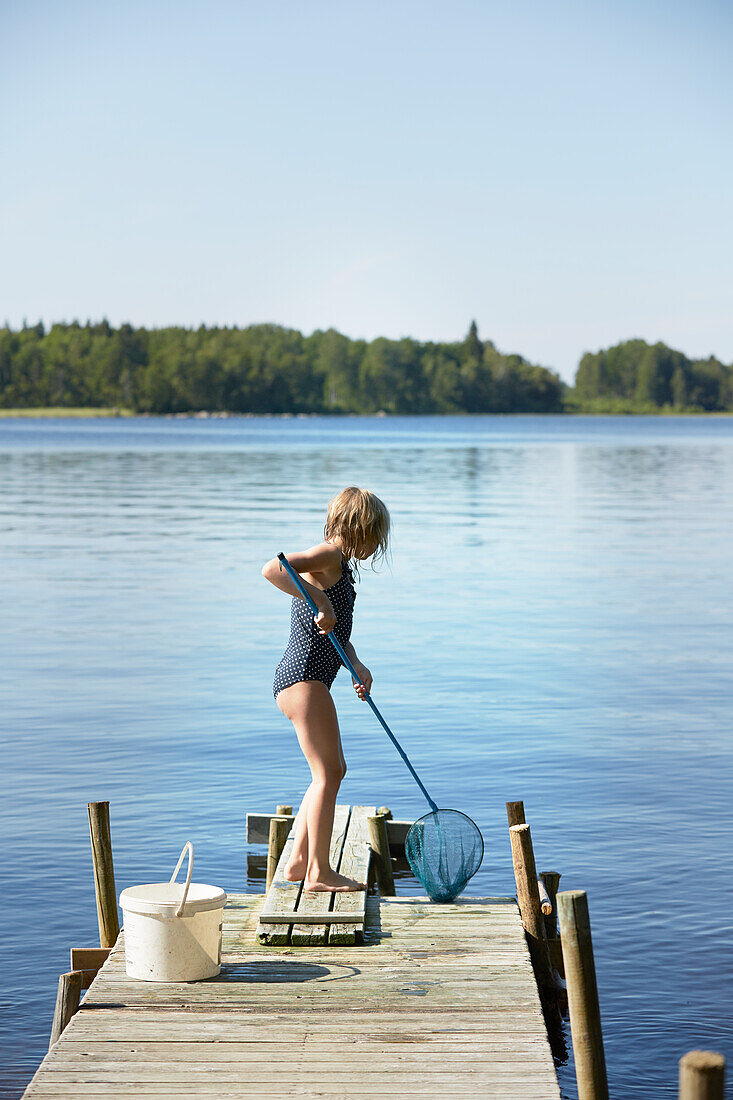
(392, 995)
(320, 995)
(439, 1000)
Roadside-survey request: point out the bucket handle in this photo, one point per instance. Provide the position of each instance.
(187, 847)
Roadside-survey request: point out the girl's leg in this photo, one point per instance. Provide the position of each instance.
(298, 862)
(309, 706)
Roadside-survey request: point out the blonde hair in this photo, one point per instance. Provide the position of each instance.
(357, 517)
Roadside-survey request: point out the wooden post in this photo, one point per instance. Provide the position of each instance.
(284, 811)
(279, 830)
(551, 882)
(545, 903)
(67, 1002)
(385, 811)
(702, 1074)
(515, 816)
(104, 873)
(382, 859)
(515, 813)
(528, 897)
(551, 879)
(585, 1015)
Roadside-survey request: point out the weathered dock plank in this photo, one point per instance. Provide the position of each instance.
(287, 901)
(439, 1000)
(283, 896)
(303, 918)
(355, 864)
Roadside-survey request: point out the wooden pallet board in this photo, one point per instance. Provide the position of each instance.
(301, 918)
(355, 861)
(307, 931)
(438, 1000)
(282, 897)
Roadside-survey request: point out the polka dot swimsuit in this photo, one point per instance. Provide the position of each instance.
(311, 655)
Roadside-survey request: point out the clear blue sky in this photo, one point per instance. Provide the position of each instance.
(562, 172)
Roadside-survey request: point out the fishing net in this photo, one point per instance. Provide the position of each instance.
(444, 850)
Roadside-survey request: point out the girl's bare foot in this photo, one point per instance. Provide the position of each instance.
(295, 870)
(332, 881)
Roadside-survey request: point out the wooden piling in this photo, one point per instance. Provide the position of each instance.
(551, 880)
(104, 873)
(67, 1002)
(515, 813)
(545, 903)
(279, 829)
(382, 859)
(702, 1074)
(528, 897)
(284, 811)
(585, 1016)
(516, 816)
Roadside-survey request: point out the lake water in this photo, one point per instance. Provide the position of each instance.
(555, 626)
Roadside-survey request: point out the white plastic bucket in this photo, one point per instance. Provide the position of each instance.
(173, 932)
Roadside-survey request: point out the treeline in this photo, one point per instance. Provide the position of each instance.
(264, 368)
(271, 369)
(652, 376)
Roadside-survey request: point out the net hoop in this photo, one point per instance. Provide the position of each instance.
(437, 887)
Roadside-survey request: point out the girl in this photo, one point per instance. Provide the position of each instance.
(357, 526)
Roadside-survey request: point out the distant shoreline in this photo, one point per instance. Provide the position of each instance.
(49, 413)
(60, 412)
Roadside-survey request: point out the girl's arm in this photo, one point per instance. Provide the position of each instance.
(316, 561)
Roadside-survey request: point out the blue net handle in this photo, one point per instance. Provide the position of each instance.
(340, 650)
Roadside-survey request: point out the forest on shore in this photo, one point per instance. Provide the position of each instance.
(267, 368)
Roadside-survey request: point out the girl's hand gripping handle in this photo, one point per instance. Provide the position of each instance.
(325, 617)
(337, 645)
(324, 614)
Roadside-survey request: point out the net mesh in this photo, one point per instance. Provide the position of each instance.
(444, 850)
